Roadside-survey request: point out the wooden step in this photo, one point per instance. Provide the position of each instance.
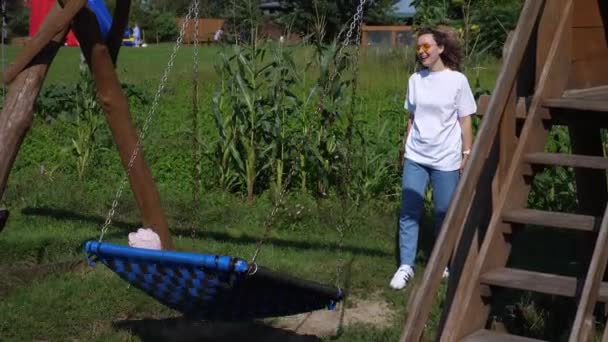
(598, 93)
(537, 282)
(551, 219)
(577, 104)
(572, 160)
(494, 336)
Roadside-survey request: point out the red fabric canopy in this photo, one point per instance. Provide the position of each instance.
(38, 11)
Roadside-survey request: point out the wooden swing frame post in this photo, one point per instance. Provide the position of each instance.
(100, 55)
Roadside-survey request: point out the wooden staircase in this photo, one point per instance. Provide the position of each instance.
(555, 72)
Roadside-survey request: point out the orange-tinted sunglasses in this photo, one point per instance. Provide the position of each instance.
(423, 47)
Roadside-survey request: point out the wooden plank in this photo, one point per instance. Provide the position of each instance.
(587, 139)
(420, 304)
(482, 105)
(507, 137)
(53, 25)
(587, 93)
(576, 104)
(593, 282)
(539, 282)
(488, 335)
(468, 243)
(587, 13)
(116, 106)
(570, 160)
(17, 112)
(551, 219)
(547, 26)
(495, 250)
(587, 41)
(589, 72)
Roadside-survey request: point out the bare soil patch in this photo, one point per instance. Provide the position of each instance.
(373, 311)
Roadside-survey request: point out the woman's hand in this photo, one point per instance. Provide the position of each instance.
(467, 139)
(465, 158)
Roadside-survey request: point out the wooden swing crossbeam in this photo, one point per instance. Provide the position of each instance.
(26, 76)
(53, 25)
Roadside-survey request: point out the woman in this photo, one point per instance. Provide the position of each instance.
(437, 140)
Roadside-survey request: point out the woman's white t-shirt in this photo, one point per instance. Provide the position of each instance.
(436, 100)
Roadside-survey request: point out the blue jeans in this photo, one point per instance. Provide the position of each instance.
(413, 186)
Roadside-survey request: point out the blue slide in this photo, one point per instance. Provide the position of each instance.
(104, 18)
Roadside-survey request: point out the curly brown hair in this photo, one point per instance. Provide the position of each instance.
(452, 49)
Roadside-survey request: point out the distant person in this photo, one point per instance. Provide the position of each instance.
(137, 35)
(437, 141)
(217, 37)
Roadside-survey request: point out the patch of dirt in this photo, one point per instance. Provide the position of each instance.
(374, 311)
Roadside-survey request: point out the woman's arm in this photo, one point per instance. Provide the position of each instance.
(467, 138)
(405, 135)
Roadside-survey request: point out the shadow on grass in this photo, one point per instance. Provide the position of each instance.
(184, 330)
(3, 218)
(61, 214)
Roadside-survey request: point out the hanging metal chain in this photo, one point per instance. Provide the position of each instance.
(152, 111)
(195, 110)
(196, 24)
(355, 24)
(269, 222)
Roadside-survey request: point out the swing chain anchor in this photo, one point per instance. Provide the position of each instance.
(161, 87)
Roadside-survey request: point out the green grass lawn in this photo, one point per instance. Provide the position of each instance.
(46, 291)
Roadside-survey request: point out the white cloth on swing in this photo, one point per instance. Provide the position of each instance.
(145, 238)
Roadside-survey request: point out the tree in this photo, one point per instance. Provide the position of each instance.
(483, 24)
(17, 18)
(332, 16)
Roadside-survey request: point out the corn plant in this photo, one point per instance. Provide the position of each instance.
(88, 119)
(327, 147)
(250, 113)
(225, 151)
(285, 106)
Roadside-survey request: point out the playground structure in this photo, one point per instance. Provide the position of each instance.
(39, 10)
(100, 40)
(555, 71)
(203, 286)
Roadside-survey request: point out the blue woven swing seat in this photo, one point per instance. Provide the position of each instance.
(212, 287)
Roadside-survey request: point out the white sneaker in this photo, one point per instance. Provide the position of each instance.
(402, 276)
(446, 273)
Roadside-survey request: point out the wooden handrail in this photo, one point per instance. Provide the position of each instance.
(454, 222)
